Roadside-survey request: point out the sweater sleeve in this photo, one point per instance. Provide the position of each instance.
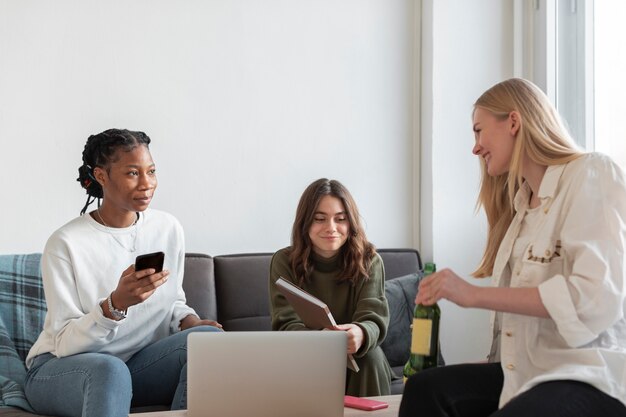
(75, 332)
(283, 315)
(372, 311)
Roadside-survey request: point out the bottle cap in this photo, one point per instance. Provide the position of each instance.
(429, 268)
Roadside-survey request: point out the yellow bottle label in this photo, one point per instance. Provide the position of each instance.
(420, 340)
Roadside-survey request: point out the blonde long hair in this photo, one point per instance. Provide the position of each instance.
(542, 137)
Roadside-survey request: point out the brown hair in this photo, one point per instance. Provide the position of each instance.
(542, 137)
(356, 253)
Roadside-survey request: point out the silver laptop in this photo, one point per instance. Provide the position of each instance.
(266, 374)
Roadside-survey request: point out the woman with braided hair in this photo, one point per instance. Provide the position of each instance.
(113, 337)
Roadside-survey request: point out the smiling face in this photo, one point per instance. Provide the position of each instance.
(330, 227)
(128, 183)
(495, 139)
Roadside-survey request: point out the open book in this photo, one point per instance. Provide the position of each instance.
(311, 310)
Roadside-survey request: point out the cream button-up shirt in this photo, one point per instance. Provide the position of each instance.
(576, 256)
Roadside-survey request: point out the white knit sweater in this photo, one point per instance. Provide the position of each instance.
(82, 264)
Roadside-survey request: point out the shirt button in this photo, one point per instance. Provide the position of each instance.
(510, 367)
(548, 253)
(509, 334)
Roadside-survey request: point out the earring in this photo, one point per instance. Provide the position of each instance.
(90, 172)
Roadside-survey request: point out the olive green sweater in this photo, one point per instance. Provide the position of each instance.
(363, 303)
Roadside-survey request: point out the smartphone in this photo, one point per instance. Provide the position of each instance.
(363, 403)
(150, 260)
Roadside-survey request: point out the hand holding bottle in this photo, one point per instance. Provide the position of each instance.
(444, 284)
(425, 334)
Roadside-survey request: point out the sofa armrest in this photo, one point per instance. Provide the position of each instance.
(400, 262)
(199, 285)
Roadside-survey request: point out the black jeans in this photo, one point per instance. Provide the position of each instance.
(473, 390)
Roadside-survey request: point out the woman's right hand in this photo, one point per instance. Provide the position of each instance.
(135, 287)
(444, 284)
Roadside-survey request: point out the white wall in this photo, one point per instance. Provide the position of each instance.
(247, 102)
(466, 48)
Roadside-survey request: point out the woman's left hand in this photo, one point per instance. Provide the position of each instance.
(194, 321)
(355, 336)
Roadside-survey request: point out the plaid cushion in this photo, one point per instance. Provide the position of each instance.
(22, 313)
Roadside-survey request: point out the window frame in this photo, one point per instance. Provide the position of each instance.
(554, 49)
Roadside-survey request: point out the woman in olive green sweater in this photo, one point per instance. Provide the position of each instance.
(330, 258)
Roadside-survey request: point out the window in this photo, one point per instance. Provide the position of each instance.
(574, 50)
(609, 19)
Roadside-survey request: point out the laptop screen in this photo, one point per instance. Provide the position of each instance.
(266, 374)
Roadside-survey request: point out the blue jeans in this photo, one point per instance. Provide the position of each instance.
(98, 384)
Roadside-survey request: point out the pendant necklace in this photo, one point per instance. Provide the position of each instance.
(133, 232)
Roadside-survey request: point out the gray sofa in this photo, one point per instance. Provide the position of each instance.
(233, 289)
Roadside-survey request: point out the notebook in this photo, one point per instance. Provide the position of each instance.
(266, 374)
(312, 311)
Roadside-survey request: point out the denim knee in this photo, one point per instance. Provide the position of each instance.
(108, 369)
(110, 384)
(86, 384)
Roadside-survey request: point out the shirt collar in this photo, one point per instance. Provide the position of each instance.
(550, 181)
(547, 188)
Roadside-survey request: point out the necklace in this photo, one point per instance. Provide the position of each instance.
(134, 233)
(104, 223)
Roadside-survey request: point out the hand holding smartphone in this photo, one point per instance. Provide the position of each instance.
(150, 260)
(363, 403)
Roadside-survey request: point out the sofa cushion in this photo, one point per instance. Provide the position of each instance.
(199, 285)
(242, 286)
(22, 313)
(400, 293)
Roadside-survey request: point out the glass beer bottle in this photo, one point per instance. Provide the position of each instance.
(425, 335)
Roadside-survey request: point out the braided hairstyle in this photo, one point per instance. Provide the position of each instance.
(99, 152)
